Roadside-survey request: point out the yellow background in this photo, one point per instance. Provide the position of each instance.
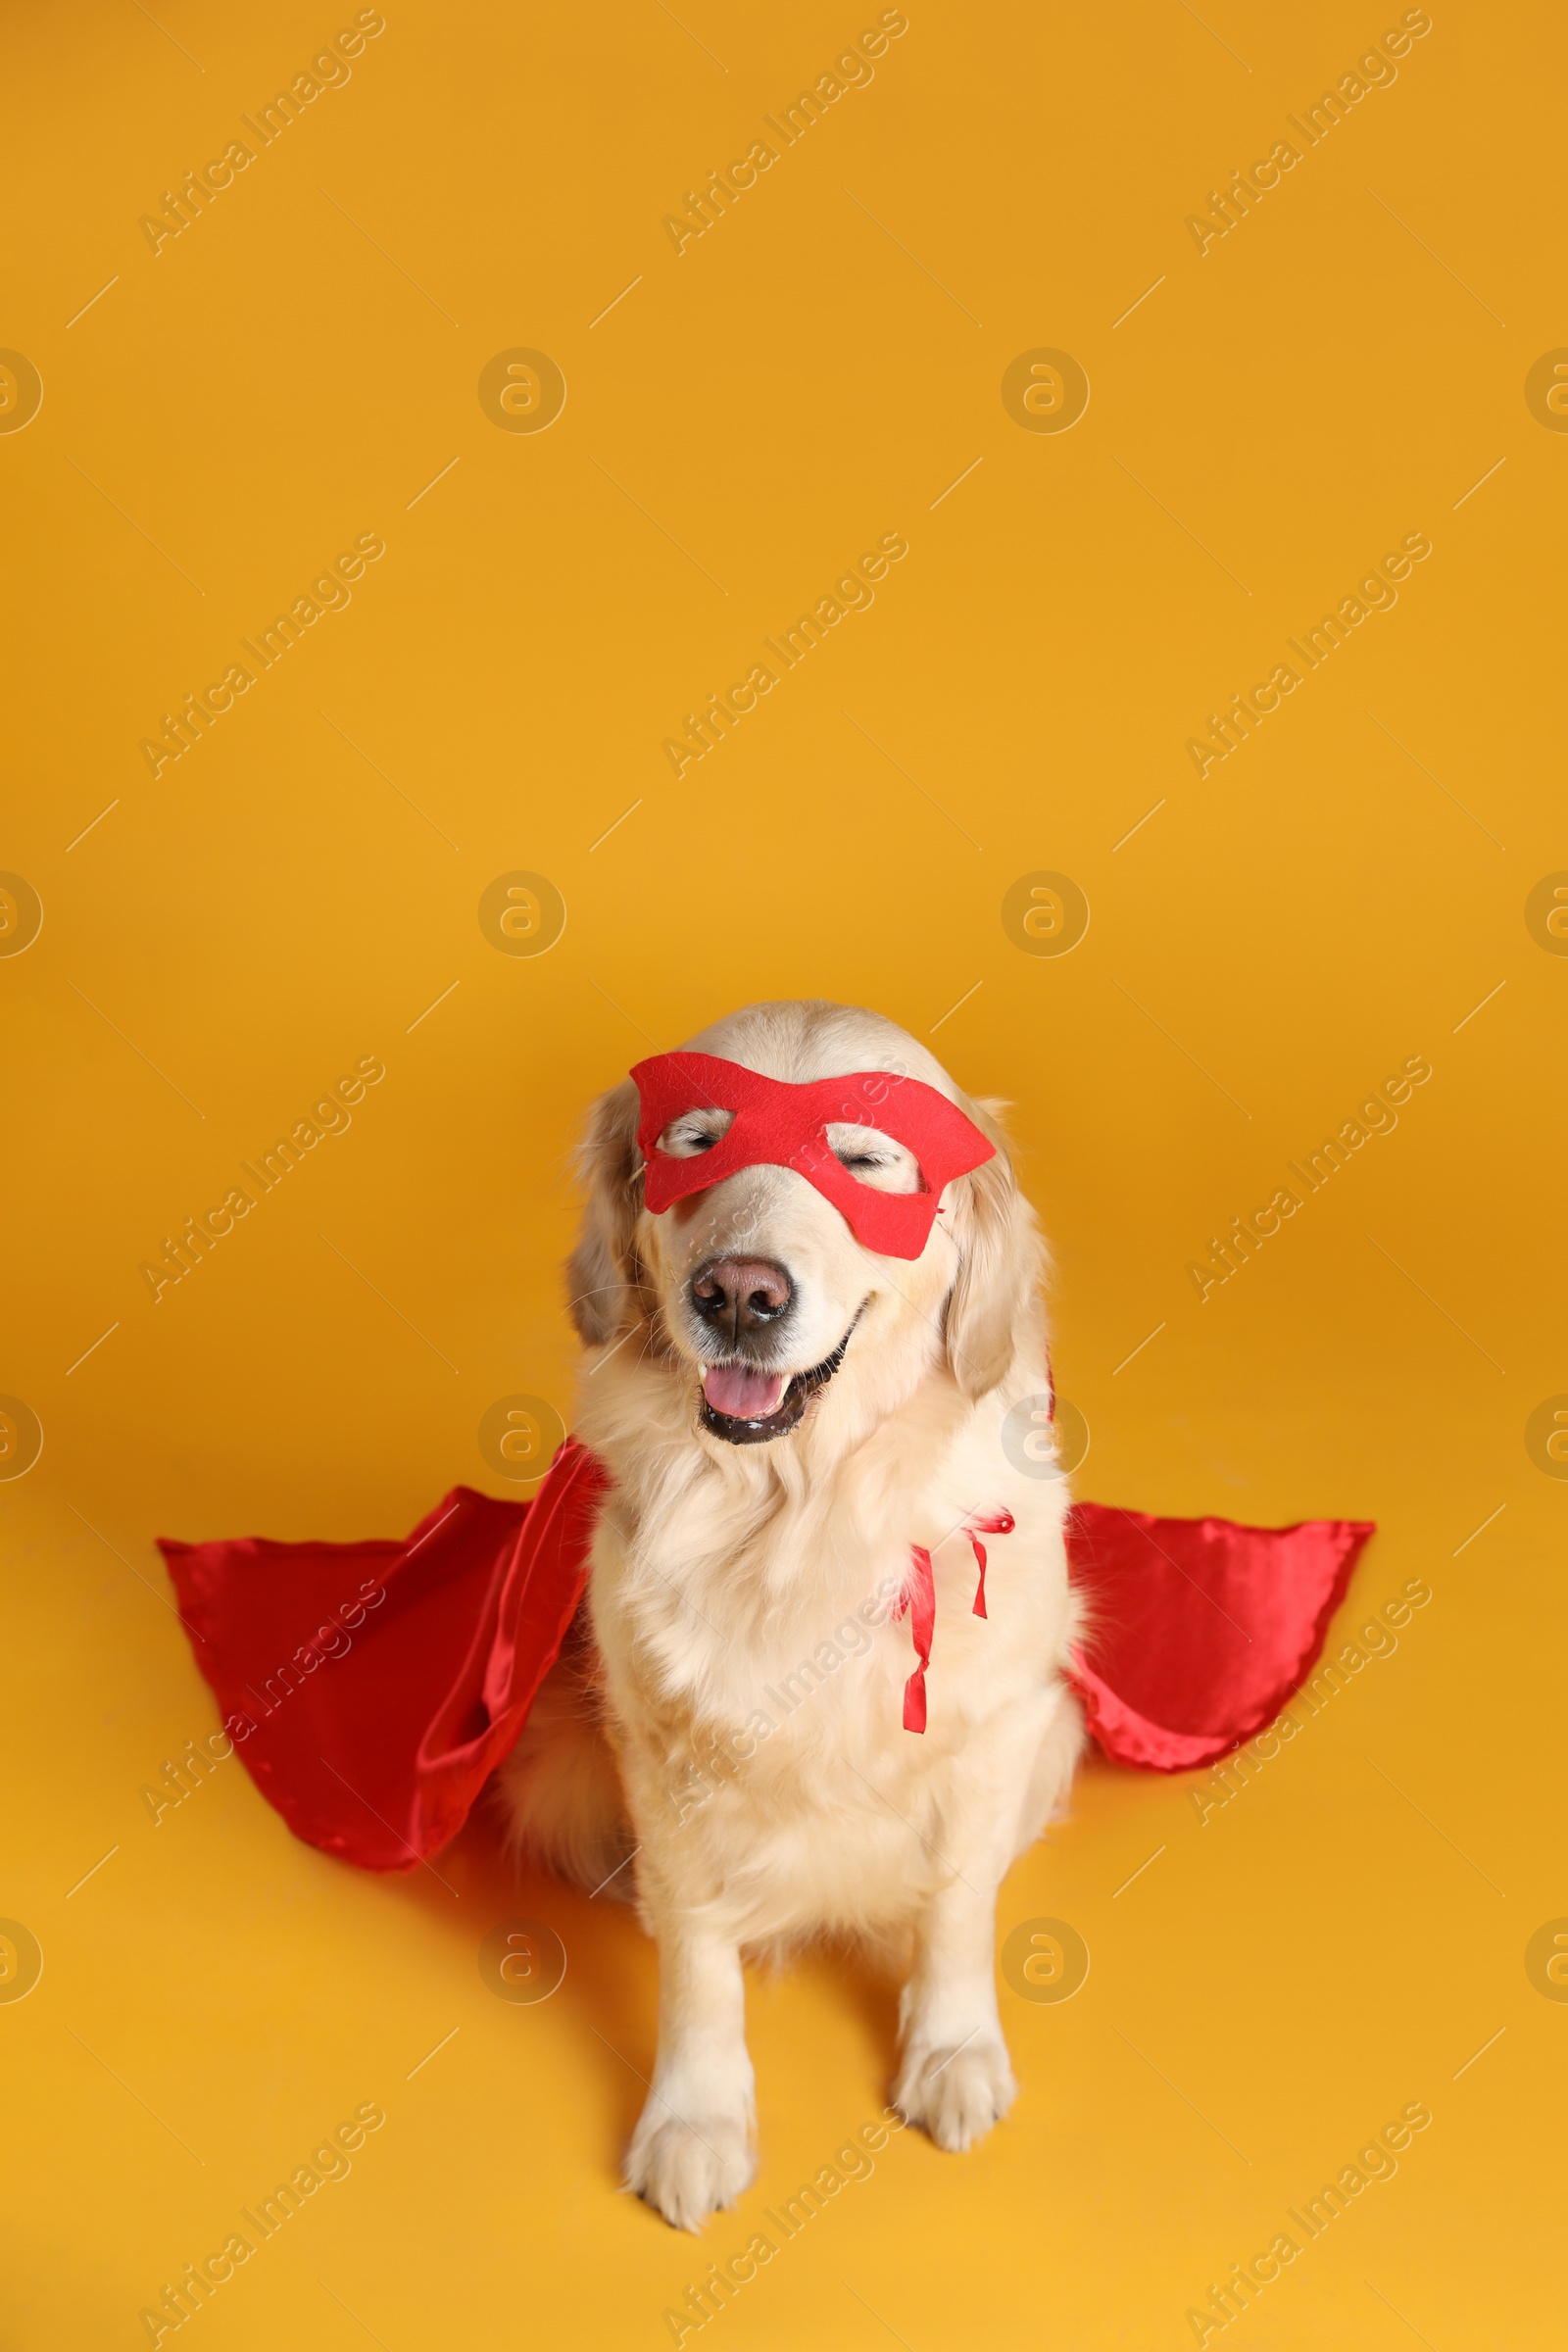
(815, 371)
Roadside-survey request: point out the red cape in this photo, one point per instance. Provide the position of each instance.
(371, 1688)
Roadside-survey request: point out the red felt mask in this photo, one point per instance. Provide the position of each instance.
(783, 1126)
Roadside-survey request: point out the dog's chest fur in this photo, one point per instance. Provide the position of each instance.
(755, 1669)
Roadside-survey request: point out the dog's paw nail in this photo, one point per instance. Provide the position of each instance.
(687, 2170)
(957, 2094)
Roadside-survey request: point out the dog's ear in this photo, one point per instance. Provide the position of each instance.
(994, 1304)
(601, 1272)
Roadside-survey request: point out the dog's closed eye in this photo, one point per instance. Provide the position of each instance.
(873, 1158)
(694, 1132)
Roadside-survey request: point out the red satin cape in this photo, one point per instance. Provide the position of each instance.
(371, 1688)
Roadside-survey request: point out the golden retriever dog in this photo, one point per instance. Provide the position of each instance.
(784, 1413)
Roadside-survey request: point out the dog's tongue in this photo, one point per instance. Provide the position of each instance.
(744, 1395)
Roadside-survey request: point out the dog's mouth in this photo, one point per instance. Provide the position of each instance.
(748, 1407)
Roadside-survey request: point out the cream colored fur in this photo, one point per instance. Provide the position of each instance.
(718, 1570)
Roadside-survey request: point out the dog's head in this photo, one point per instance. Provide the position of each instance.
(755, 1287)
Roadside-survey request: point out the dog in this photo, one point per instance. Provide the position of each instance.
(784, 1412)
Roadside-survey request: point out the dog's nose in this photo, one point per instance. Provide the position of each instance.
(739, 1295)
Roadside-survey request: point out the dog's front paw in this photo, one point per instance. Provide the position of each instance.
(957, 2094)
(688, 2170)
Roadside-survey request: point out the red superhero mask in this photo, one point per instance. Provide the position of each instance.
(783, 1126)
